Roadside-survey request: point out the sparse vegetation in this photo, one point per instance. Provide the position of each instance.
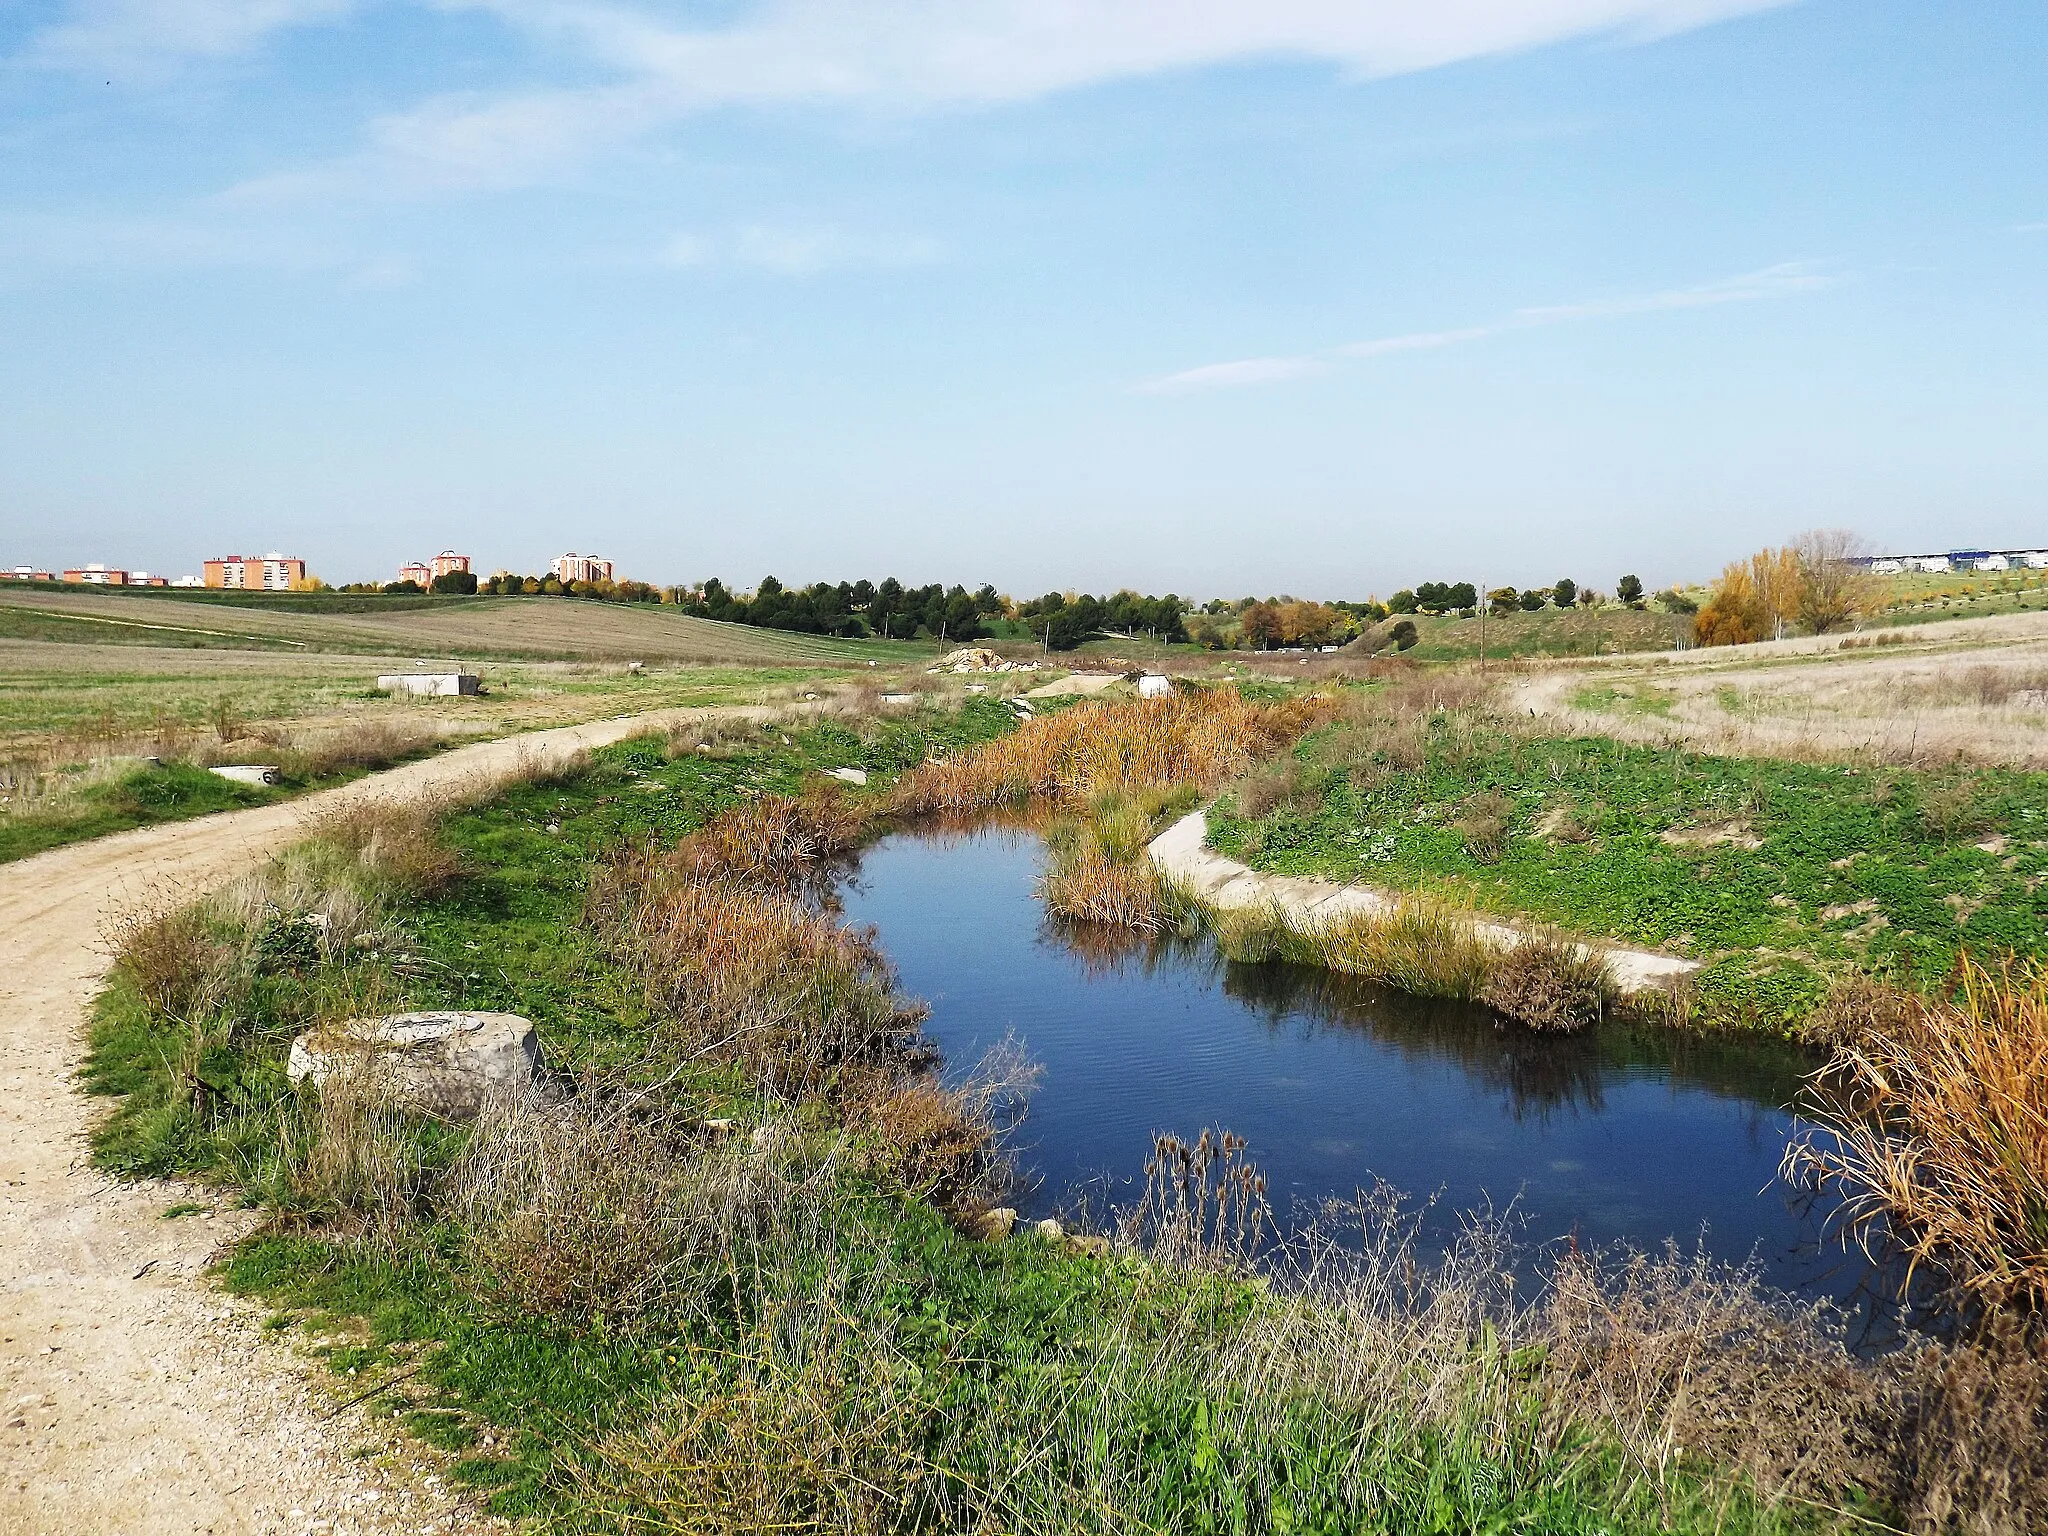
(714, 1288)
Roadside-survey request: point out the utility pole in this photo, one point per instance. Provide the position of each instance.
(1485, 602)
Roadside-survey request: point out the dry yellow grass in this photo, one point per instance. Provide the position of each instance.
(1938, 1125)
(1201, 738)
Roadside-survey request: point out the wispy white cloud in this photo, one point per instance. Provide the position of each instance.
(151, 35)
(2038, 227)
(795, 252)
(1776, 282)
(887, 55)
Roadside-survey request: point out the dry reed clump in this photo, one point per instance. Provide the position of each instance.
(1939, 1123)
(1551, 985)
(1091, 886)
(751, 973)
(778, 839)
(1201, 738)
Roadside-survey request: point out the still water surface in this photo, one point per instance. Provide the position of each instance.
(1619, 1135)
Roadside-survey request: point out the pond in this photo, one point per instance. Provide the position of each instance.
(1618, 1135)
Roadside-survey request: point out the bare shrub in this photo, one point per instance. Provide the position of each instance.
(1974, 1452)
(1271, 785)
(1679, 1355)
(1552, 985)
(227, 720)
(1939, 1124)
(1836, 587)
(1484, 826)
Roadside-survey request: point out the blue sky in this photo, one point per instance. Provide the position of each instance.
(1179, 294)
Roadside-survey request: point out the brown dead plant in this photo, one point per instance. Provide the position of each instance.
(1552, 985)
(1938, 1124)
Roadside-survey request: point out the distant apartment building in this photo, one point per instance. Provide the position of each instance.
(257, 573)
(573, 567)
(448, 562)
(98, 575)
(419, 573)
(26, 573)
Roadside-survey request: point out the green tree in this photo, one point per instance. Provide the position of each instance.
(1630, 590)
(1565, 593)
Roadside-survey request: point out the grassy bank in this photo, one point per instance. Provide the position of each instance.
(40, 810)
(727, 1283)
(1784, 878)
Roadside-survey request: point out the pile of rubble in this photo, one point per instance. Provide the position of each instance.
(977, 658)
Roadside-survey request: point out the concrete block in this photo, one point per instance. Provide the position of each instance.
(440, 685)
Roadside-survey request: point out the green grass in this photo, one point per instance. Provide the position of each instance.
(1546, 632)
(1854, 869)
(140, 797)
(992, 1352)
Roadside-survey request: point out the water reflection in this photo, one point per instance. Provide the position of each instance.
(1620, 1135)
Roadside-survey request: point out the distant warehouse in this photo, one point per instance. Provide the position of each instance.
(257, 573)
(1986, 560)
(573, 567)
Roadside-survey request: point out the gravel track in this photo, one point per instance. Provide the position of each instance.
(134, 1397)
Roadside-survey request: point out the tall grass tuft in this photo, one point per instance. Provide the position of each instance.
(1201, 738)
(1939, 1122)
(1418, 947)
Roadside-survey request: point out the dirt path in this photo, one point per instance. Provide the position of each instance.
(133, 1396)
